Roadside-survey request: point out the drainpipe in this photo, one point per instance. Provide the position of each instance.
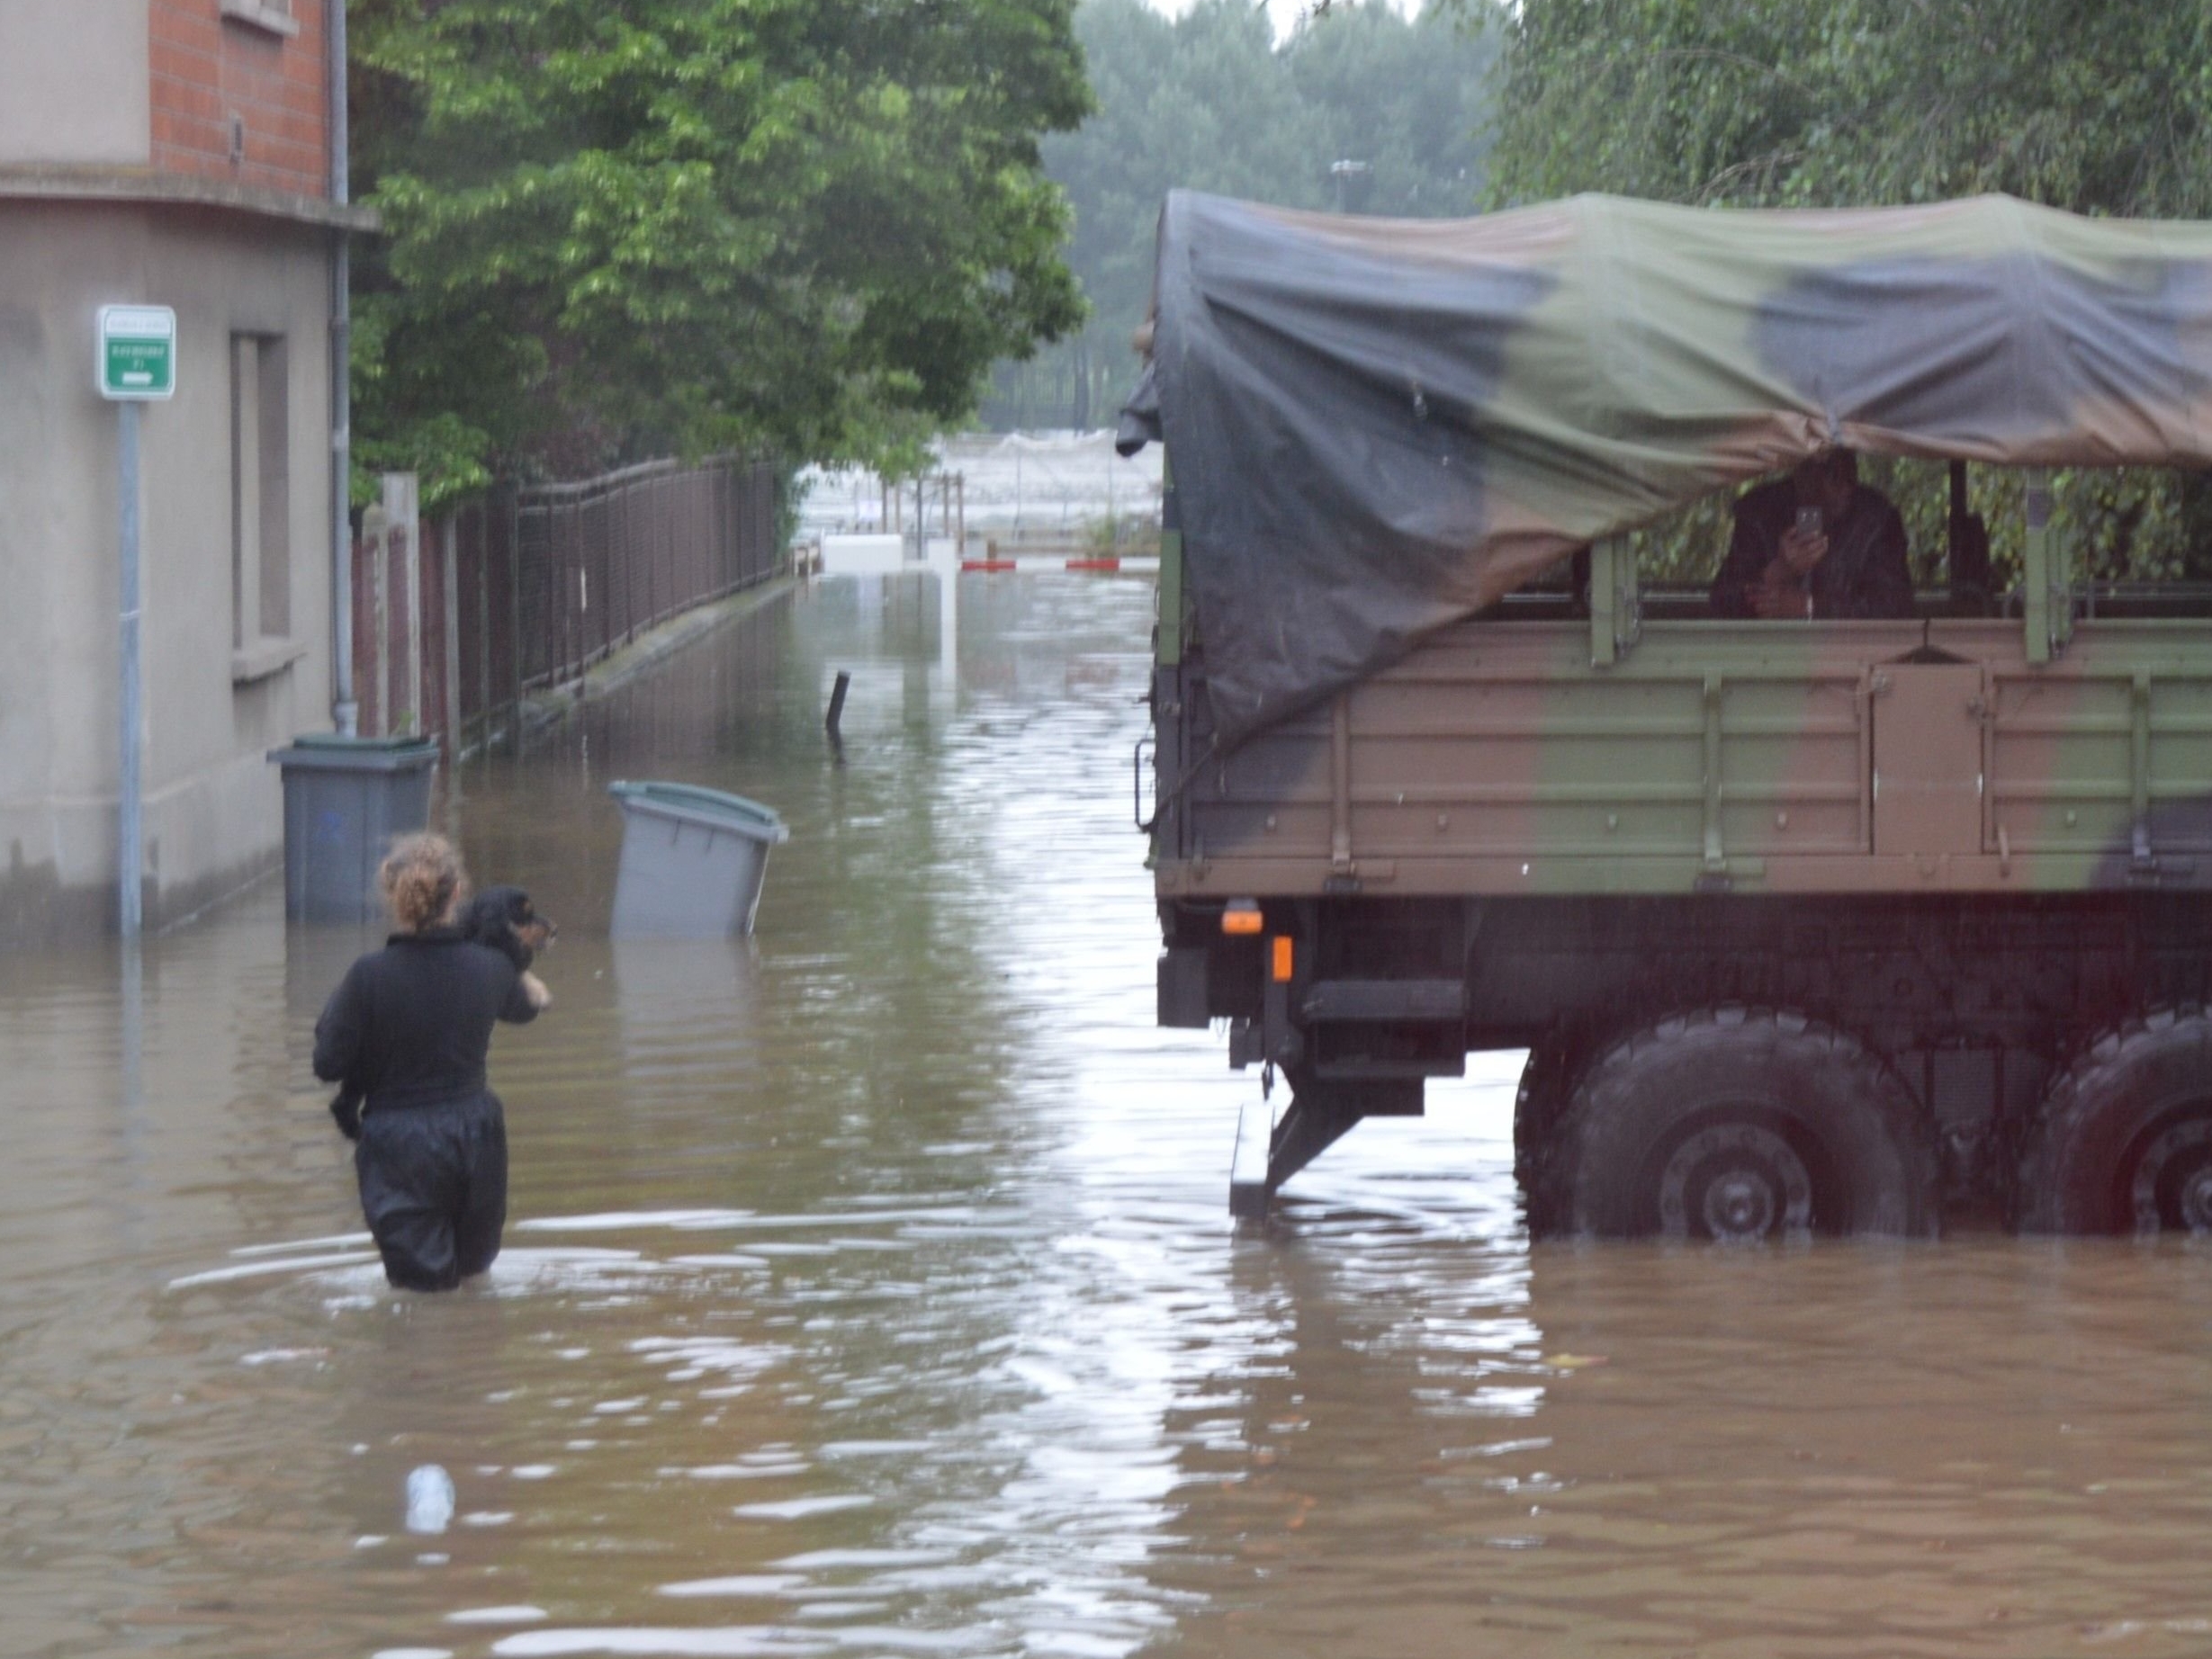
(345, 712)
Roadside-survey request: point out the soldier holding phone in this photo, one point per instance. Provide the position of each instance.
(1818, 543)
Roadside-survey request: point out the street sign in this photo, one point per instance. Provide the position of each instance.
(138, 353)
(136, 364)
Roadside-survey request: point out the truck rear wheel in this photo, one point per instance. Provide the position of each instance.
(1547, 1080)
(1738, 1126)
(2122, 1143)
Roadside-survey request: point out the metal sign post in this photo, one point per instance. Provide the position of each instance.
(136, 364)
(129, 831)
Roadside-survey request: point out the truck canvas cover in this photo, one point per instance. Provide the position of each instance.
(1379, 427)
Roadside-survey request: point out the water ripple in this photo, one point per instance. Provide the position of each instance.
(870, 1288)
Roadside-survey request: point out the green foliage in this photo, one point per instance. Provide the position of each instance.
(1830, 103)
(622, 226)
(2101, 109)
(1209, 101)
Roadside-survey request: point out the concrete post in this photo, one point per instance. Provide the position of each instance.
(374, 547)
(403, 519)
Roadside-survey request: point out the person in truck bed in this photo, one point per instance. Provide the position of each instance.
(1818, 543)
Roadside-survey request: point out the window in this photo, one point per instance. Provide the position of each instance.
(260, 508)
(274, 16)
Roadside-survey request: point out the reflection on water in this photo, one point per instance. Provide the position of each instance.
(871, 1289)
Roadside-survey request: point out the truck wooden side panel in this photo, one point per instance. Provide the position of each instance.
(1897, 756)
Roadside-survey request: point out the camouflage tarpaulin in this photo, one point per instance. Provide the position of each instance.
(1379, 425)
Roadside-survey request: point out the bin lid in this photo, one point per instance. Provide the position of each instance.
(338, 740)
(333, 752)
(694, 804)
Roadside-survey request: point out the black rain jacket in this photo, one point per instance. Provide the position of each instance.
(1866, 572)
(409, 1024)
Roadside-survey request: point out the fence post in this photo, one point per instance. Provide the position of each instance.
(449, 717)
(402, 519)
(376, 534)
(560, 591)
(663, 542)
(486, 704)
(363, 578)
(618, 546)
(514, 637)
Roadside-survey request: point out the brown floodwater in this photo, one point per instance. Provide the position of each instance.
(870, 1288)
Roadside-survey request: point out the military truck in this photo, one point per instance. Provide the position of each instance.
(1807, 927)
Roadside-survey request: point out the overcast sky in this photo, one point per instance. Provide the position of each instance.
(1285, 13)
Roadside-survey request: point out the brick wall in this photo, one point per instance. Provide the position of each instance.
(207, 68)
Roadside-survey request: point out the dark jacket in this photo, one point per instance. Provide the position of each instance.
(1865, 574)
(410, 1023)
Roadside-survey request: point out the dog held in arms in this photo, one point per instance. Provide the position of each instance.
(502, 918)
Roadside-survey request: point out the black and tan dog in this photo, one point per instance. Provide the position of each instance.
(503, 919)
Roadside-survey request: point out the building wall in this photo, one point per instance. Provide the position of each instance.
(212, 805)
(252, 69)
(73, 82)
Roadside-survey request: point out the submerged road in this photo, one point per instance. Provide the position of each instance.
(870, 1290)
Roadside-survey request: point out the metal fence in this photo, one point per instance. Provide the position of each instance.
(526, 589)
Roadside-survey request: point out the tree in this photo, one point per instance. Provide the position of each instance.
(1409, 98)
(1210, 101)
(619, 227)
(2099, 109)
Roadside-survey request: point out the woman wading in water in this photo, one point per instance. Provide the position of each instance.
(409, 1026)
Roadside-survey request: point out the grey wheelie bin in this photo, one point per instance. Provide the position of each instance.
(345, 799)
(692, 861)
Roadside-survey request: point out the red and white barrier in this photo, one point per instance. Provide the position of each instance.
(1035, 564)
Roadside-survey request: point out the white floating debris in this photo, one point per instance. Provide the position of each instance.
(744, 1584)
(430, 1499)
(496, 1615)
(331, 1241)
(297, 1264)
(796, 1508)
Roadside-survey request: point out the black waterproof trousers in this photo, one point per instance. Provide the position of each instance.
(433, 1188)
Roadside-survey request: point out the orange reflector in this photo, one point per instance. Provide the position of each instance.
(1282, 958)
(1241, 917)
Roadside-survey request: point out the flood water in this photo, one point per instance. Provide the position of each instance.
(870, 1289)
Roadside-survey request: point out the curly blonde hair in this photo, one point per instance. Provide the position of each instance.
(422, 881)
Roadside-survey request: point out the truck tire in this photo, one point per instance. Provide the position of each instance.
(1737, 1126)
(1547, 1080)
(2123, 1141)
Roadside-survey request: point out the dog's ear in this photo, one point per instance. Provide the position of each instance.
(513, 902)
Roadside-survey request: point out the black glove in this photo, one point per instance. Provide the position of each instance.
(346, 1107)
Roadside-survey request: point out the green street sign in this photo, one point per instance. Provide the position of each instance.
(138, 352)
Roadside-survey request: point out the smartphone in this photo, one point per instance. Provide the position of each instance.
(1808, 520)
